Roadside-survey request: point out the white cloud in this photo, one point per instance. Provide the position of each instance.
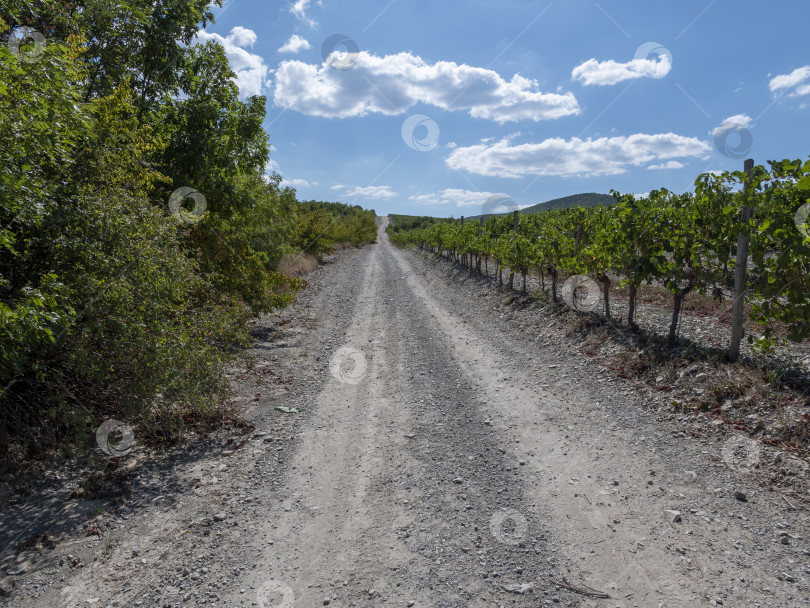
(453, 196)
(798, 80)
(299, 9)
(392, 84)
(574, 157)
(251, 72)
(241, 36)
(642, 195)
(372, 192)
(672, 164)
(594, 72)
(300, 183)
(295, 44)
(488, 202)
(738, 121)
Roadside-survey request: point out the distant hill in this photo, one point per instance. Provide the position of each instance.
(589, 199)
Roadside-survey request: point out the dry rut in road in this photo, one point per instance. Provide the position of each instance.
(442, 459)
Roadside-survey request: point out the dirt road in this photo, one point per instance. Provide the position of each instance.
(441, 458)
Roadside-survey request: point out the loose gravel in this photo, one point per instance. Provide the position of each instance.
(432, 452)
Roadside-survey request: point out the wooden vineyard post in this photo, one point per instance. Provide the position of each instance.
(480, 235)
(514, 235)
(740, 275)
(463, 255)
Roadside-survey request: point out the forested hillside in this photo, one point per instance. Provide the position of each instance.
(139, 231)
(589, 199)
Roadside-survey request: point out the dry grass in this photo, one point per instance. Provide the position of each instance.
(298, 265)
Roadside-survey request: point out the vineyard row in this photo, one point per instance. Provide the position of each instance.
(751, 223)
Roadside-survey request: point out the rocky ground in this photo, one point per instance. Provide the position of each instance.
(438, 447)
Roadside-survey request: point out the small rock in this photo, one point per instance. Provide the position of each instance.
(519, 589)
(220, 516)
(674, 516)
(326, 601)
(19, 568)
(740, 496)
(458, 480)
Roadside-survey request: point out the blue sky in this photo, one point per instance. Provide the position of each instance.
(432, 108)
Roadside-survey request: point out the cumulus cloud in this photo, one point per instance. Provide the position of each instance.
(295, 44)
(672, 164)
(453, 196)
(299, 183)
(251, 72)
(372, 192)
(495, 202)
(594, 72)
(798, 80)
(732, 123)
(392, 84)
(299, 9)
(574, 157)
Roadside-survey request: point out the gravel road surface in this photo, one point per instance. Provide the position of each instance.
(442, 457)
